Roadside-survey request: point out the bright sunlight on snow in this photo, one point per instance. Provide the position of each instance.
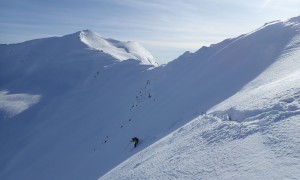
(228, 111)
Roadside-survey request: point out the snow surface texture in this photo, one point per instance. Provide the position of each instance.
(239, 100)
(252, 135)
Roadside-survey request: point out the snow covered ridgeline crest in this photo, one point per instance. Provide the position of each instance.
(119, 50)
(252, 134)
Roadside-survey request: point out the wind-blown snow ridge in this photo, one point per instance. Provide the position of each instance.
(117, 49)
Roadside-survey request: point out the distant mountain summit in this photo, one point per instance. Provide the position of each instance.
(118, 49)
(294, 19)
(77, 44)
(37, 63)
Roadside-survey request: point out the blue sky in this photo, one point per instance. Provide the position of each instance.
(166, 28)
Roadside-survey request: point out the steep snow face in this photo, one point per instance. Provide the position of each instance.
(252, 134)
(119, 50)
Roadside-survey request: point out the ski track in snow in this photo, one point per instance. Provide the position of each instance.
(264, 144)
(253, 134)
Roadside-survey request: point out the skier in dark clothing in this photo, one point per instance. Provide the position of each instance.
(135, 140)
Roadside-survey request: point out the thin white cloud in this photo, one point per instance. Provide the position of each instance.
(13, 104)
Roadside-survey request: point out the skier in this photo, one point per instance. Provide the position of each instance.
(135, 140)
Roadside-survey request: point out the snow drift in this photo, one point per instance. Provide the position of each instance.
(236, 100)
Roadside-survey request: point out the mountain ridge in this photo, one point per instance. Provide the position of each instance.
(83, 108)
(119, 50)
(251, 134)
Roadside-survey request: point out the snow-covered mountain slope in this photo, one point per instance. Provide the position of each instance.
(82, 106)
(57, 92)
(119, 50)
(53, 65)
(252, 134)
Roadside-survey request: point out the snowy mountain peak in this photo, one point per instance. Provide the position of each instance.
(294, 19)
(118, 49)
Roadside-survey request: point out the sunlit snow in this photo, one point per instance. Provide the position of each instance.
(227, 111)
